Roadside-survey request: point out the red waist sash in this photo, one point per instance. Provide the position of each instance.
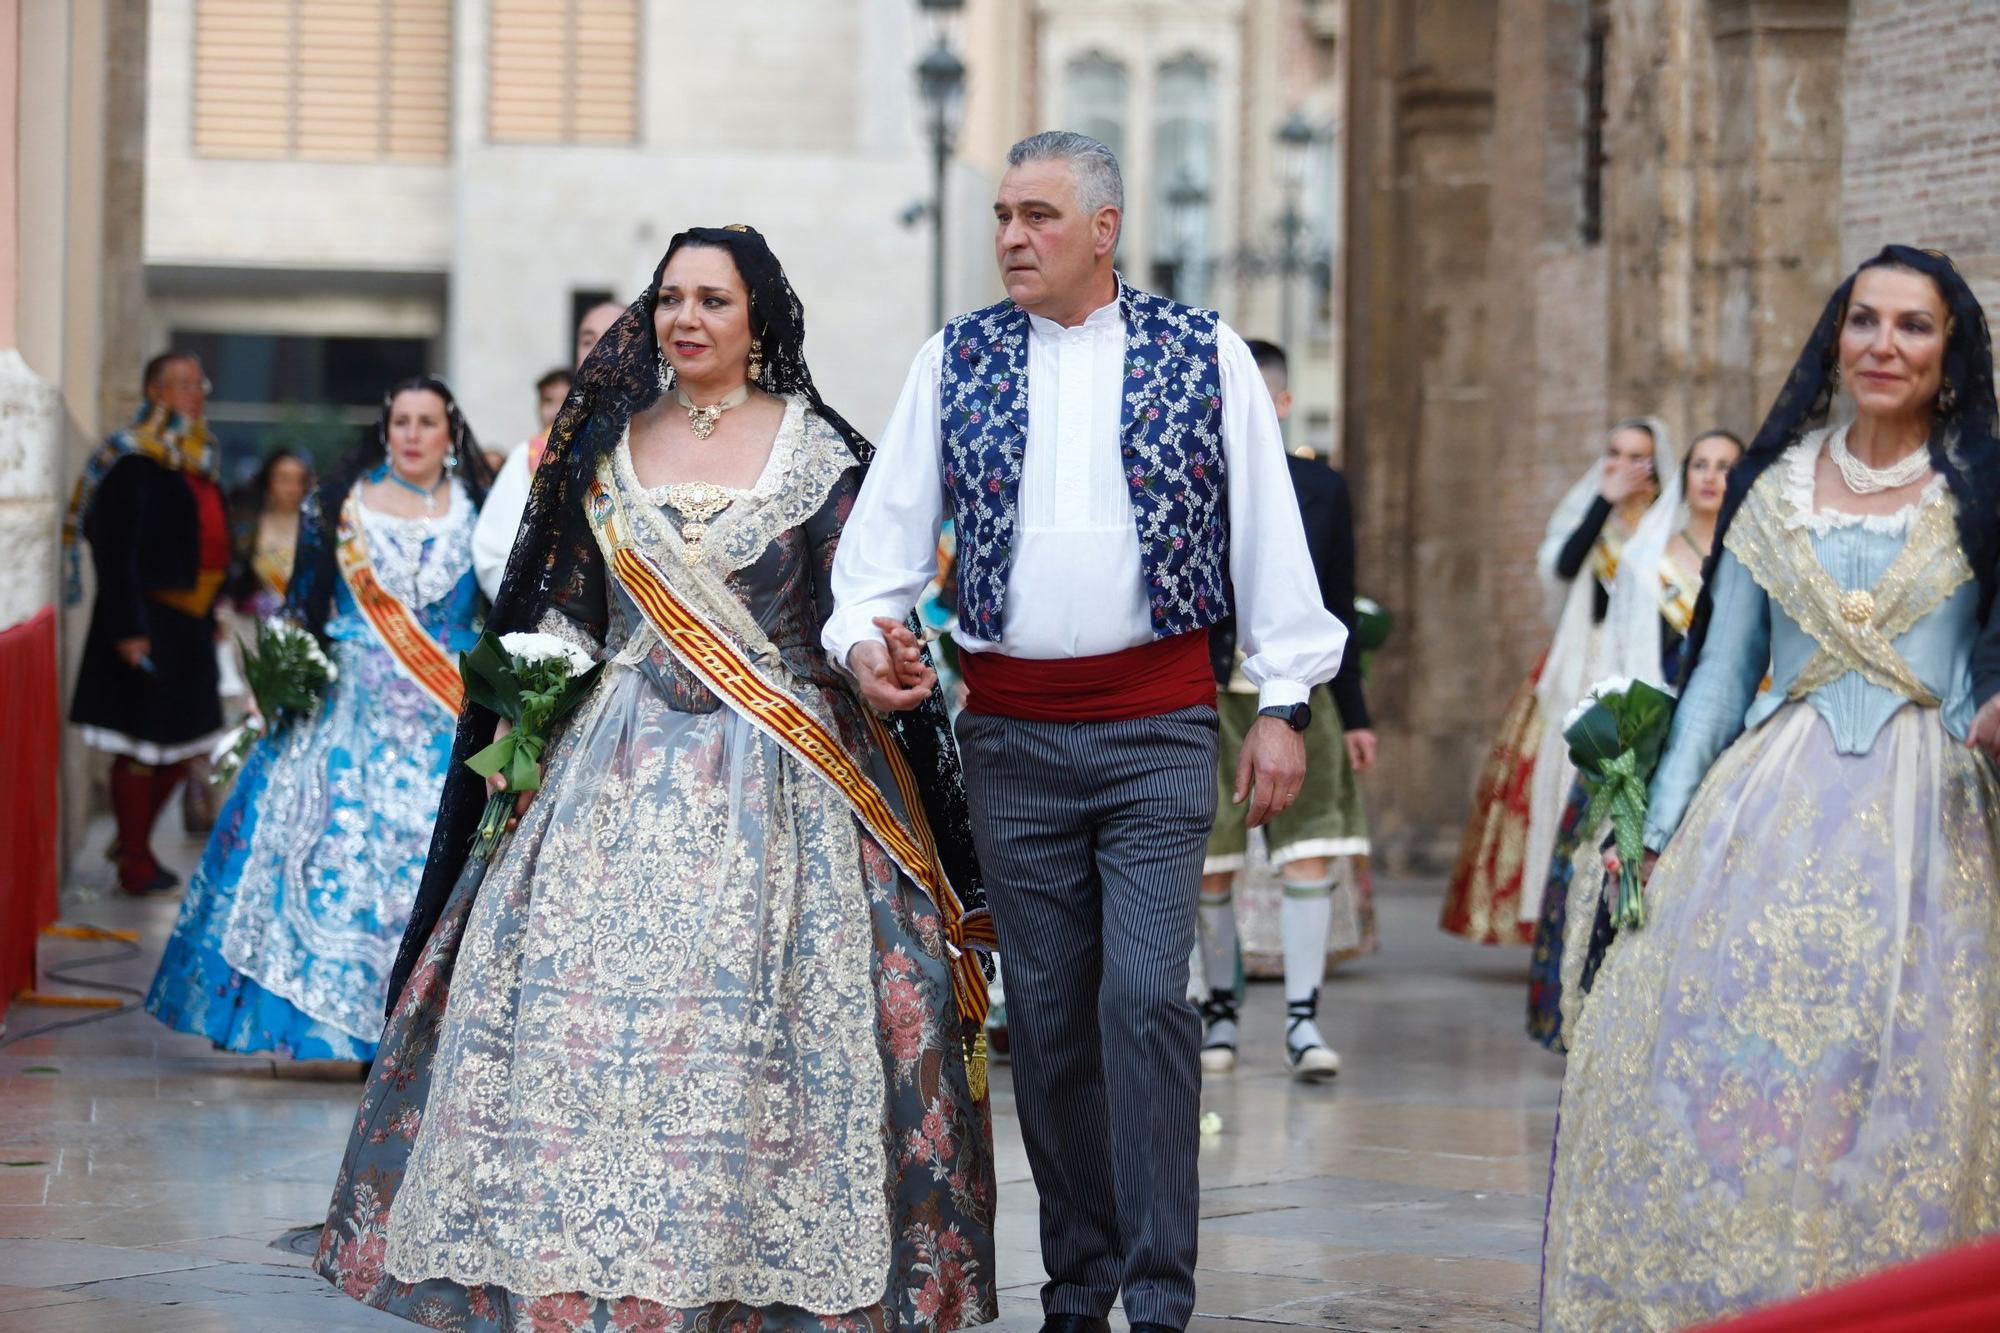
(1154, 678)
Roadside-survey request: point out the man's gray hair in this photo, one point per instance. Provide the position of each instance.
(1099, 182)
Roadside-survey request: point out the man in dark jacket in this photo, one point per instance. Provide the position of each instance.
(1326, 822)
(149, 506)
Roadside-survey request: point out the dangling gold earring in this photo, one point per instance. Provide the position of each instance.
(756, 367)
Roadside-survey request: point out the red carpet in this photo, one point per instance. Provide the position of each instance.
(1954, 1292)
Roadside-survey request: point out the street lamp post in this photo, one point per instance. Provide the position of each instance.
(941, 85)
(1186, 201)
(1295, 142)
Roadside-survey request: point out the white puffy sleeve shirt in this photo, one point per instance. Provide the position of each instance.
(1076, 588)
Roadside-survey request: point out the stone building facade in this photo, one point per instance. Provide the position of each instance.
(1563, 212)
(1189, 93)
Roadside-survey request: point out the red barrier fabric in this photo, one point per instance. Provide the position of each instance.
(30, 756)
(1954, 1292)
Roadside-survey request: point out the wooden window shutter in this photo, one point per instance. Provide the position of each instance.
(325, 80)
(564, 71)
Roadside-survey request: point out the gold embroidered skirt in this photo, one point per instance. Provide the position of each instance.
(1791, 1074)
(1483, 902)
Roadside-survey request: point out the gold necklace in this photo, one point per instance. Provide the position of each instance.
(698, 502)
(701, 420)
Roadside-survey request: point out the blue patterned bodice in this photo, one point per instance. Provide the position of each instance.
(1170, 441)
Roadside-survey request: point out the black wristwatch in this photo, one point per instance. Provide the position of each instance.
(1296, 716)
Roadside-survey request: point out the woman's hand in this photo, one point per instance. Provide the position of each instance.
(498, 782)
(1621, 479)
(1612, 864)
(1985, 733)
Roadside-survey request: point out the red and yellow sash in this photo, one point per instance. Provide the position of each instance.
(416, 654)
(776, 713)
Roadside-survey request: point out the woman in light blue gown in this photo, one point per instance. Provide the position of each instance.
(1791, 1074)
(292, 921)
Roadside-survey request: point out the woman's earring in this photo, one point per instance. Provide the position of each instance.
(1947, 399)
(756, 367)
(451, 459)
(664, 375)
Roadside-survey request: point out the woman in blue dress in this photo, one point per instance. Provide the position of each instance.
(291, 924)
(1791, 1074)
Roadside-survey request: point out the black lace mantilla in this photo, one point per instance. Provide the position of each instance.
(620, 378)
(1963, 445)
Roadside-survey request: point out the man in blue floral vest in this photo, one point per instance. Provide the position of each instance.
(1114, 468)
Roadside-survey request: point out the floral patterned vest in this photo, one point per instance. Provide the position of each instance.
(1170, 437)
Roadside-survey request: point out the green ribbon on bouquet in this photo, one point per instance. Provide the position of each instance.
(1621, 793)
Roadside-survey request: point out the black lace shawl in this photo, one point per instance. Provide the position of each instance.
(309, 595)
(1963, 444)
(622, 376)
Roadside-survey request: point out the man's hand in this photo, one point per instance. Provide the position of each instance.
(1361, 750)
(882, 687)
(905, 654)
(1985, 732)
(135, 651)
(1270, 770)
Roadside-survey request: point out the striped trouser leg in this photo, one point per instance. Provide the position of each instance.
(1092, 837)
(1032, 832)
(1153, 805)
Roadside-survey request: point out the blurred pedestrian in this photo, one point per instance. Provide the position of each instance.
(500, 520)
(1495, 892)
(292, 920)
(268, 541)
(1326, 826)
(1652, 604)
(146, 690)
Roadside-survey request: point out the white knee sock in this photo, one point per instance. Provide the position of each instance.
(1218, 940)
(1302, 923)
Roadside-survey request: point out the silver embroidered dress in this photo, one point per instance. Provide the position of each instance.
(690, 1049)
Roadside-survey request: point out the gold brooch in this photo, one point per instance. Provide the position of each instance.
(1857, 607)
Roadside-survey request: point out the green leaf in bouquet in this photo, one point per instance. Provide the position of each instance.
(488, 672)
(1372, 625)
(1593, 738)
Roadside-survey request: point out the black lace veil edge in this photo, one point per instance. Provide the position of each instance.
(309, 594)
(1963, 443)
(620, 378)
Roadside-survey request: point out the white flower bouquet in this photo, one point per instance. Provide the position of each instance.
(288, 675)
(533, 681)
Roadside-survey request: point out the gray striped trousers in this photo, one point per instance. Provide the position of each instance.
(1091, 837)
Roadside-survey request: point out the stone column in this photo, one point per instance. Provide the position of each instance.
(1418, 414)
(1778, 69)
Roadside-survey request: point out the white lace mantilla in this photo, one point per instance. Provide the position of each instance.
(1801, 487)
(418, 560)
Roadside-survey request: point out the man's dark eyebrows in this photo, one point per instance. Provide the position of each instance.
(1041, 204)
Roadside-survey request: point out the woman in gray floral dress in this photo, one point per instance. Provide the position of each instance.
(696, 1049)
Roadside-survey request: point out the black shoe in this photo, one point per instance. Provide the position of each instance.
(163, 881)
(1143, 1327)
(1076, 1323)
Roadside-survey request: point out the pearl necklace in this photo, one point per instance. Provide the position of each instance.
(1865, 480)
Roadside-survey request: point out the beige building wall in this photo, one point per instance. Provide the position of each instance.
(1268, 58)
(69, 282)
